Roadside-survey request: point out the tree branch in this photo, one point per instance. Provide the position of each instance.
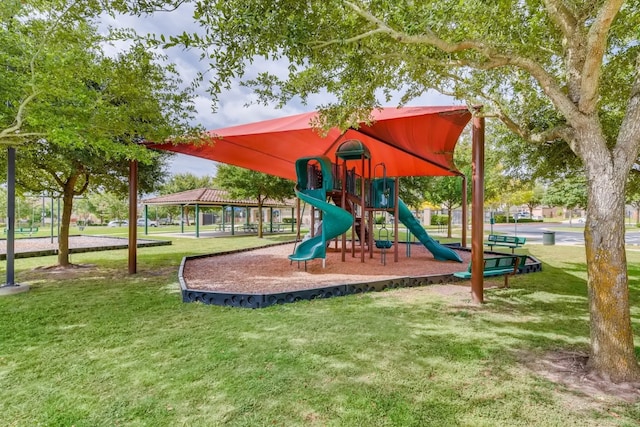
(596, 46)
(626, 152)
(84, 186)
(561, 16)
(318, 45)
(17, 124)
(494, 58)
(549, 135)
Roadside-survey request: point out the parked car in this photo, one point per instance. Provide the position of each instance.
(150, 223)
(118, 223)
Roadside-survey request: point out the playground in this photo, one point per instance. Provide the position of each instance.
(348, 178)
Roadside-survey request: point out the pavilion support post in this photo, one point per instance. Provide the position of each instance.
(182, 219)
(464, 211)
(271, 220)
(477, 209)
(133, 206)
(233, 220)
(197, 220)
(224, 218)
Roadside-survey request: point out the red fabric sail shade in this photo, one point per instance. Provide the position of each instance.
(410, 141)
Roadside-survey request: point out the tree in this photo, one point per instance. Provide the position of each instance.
(446, 191)
(633, 193)
(184, 182)
(88, 125)
(247, 184)
(569, 193)
(108, 206)
(553, 71)
(533, 198)
(412, 190)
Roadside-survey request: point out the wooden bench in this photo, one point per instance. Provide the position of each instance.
(506, 266)
(24, 230)
(512, 242)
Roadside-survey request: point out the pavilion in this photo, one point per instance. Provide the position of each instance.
(217, 198)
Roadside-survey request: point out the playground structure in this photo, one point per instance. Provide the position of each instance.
(411, 141)
(356, 199)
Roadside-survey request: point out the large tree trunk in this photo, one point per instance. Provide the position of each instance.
(449, 221)
(612, 348)
(65, 221)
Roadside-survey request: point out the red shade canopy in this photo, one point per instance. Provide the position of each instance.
(410, 141)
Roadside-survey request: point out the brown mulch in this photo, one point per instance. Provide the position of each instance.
(268, 270)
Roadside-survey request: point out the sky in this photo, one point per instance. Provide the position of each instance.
(235, 106)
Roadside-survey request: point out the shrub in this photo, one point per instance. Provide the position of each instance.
(439, 219)
(503, 218)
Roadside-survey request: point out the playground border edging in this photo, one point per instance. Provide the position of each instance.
(244, 300)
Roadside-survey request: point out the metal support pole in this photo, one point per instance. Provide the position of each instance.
(133, 215)
(146, 219)
(396, 217)
(477, 209)
(52, 219)
(11, 215)
(464, 211)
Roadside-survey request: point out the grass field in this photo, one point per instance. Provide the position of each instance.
(97, 347)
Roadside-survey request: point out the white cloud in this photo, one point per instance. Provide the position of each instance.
(181, 163)
(238, 104)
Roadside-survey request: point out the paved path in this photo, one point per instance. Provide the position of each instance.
(44, 246)
(533, 231)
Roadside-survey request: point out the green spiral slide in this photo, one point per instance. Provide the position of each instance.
(335, 220)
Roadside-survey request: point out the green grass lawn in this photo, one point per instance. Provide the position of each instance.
(97, 347)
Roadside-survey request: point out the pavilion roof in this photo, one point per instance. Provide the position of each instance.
(211, 197)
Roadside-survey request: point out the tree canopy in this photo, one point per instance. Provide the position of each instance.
(247, 184)
(79, 115)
